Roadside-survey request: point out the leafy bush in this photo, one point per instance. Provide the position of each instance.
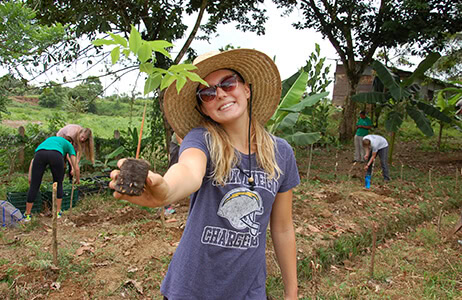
(55, 122)
(50, 98)
(19, 185)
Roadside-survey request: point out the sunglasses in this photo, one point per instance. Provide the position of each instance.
(227, 84)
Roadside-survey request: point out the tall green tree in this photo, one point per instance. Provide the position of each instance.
(22, 41)
(449, 66)
(358, 28)
(155, 20)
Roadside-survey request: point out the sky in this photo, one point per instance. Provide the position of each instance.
(290, 48)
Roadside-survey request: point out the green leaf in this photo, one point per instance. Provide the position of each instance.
(182, 68)
(126, 52)
(393, 121)
(147, 68)
(440, 101)
(180, 82)
(288, 122)
(114, 153)
(152, 83)
(102, 42)
(370, 98)
(420, 120)
(396, 91)
(289, 82)
(423, 66)
(306, 102)
(159, 70)
(118, 39)
(167, 81)
(292, 96)
(159, 46)
(115, 55)
(135, 40)
(454, 99)
(144, 53)
(303, 139)
(433, 112)
(196, 78)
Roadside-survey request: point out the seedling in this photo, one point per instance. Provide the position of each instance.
(133, 171)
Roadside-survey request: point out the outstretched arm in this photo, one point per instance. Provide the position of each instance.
(182, 179)
(283, 235)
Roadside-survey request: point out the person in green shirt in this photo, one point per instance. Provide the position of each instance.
(51, 152)
(363, 125)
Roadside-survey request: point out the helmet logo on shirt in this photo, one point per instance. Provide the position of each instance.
(240, 207)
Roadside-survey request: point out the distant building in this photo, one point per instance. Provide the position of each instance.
(341, 86)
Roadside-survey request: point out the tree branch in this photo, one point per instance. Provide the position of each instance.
(193, 32)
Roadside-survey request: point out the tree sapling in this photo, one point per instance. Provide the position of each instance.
(133, 171)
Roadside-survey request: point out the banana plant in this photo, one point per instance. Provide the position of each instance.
(293, 102)
(399, 98)
(446, 100)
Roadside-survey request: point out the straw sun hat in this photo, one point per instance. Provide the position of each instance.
(254, 66)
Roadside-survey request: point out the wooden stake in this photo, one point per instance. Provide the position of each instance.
(141, 132)
(402, 172)
(336, 163)
(72, 197)
(374, 240)
(309, 162)
(55, 225)
(430, 177)
(162, 218)
(457, 177)
(439, 219)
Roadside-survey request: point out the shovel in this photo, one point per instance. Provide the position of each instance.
(72, 197)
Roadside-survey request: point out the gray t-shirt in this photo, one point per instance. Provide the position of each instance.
(221, 254)
(377, 142)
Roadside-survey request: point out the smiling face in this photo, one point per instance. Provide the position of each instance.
(227, 107)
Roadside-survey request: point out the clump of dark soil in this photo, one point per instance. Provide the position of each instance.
(132, 177)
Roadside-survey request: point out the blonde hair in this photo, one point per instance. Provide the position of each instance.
(87, 146)
(224, 157)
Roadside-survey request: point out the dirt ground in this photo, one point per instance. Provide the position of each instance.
(110, 250)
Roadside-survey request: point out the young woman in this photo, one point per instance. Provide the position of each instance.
(82, 140)
(51, 153)
(239, 178)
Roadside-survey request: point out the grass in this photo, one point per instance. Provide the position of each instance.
(418, 201)
(102, 125)
(415, 267)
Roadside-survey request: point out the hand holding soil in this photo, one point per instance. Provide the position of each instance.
(140, 187)
(132, 177)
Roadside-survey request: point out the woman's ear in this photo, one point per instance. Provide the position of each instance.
(247, 91)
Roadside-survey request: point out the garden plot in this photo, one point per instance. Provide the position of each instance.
(109, 249)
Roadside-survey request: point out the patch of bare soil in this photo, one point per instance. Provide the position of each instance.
(18, 123)
(28, 100)
(124, 253)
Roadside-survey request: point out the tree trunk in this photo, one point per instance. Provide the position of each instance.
(347, 125)
(392, 146)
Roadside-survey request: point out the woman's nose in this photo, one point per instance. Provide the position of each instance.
(220, 92)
